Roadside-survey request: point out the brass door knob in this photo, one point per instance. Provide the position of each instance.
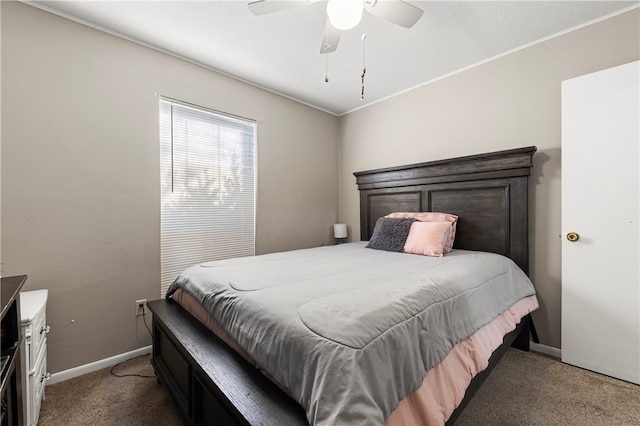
(573, 237)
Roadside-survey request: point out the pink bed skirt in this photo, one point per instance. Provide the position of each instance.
(443, 387)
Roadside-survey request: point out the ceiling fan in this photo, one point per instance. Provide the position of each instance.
(346, 14)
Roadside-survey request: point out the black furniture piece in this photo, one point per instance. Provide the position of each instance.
(11, 388)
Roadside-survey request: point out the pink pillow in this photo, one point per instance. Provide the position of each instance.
(433, 217)
(427, 238)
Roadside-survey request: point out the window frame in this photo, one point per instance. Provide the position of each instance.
(232, 172)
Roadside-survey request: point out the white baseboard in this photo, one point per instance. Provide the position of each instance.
(547, 350)
(97, 365)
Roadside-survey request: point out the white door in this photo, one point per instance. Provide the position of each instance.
(600, 193)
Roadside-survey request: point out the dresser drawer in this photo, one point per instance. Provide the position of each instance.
(35, 387)
(33, 309)
(35, 338)
(33, 313)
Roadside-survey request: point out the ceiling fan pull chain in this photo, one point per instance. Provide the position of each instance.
(326, 72)
(364, 67)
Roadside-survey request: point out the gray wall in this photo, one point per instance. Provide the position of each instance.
(510, 102)
(81, 178)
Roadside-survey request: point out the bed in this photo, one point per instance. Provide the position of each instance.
(215, 384)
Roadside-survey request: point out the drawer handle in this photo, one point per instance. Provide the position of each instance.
(44, 377)
(45, 329)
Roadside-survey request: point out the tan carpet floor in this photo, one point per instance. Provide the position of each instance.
(527, 388)
(100, 398)
(524, 389)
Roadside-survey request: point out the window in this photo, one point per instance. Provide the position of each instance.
(208, 181)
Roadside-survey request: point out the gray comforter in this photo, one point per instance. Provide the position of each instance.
(348, 330)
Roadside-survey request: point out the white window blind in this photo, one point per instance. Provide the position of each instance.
(208, 174)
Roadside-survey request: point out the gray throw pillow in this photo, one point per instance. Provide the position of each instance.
(390, 234)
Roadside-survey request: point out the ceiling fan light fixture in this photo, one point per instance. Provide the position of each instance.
(344, 14)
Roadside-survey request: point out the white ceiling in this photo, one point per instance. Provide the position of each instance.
(281, 51)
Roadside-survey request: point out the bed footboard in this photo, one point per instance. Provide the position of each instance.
(210, 383)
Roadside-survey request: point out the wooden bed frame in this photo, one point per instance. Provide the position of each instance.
(211, 384)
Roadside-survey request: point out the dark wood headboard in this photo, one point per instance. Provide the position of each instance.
(488, 193)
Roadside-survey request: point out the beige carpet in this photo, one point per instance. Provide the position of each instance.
(524, 389)
(100, 398)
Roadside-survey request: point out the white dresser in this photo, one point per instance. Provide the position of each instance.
(33, 309)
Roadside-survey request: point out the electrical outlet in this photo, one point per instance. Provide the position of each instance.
(141, 307)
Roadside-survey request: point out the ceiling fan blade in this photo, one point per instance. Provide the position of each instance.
(397, 11)
(262, 7)
(330, 38)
